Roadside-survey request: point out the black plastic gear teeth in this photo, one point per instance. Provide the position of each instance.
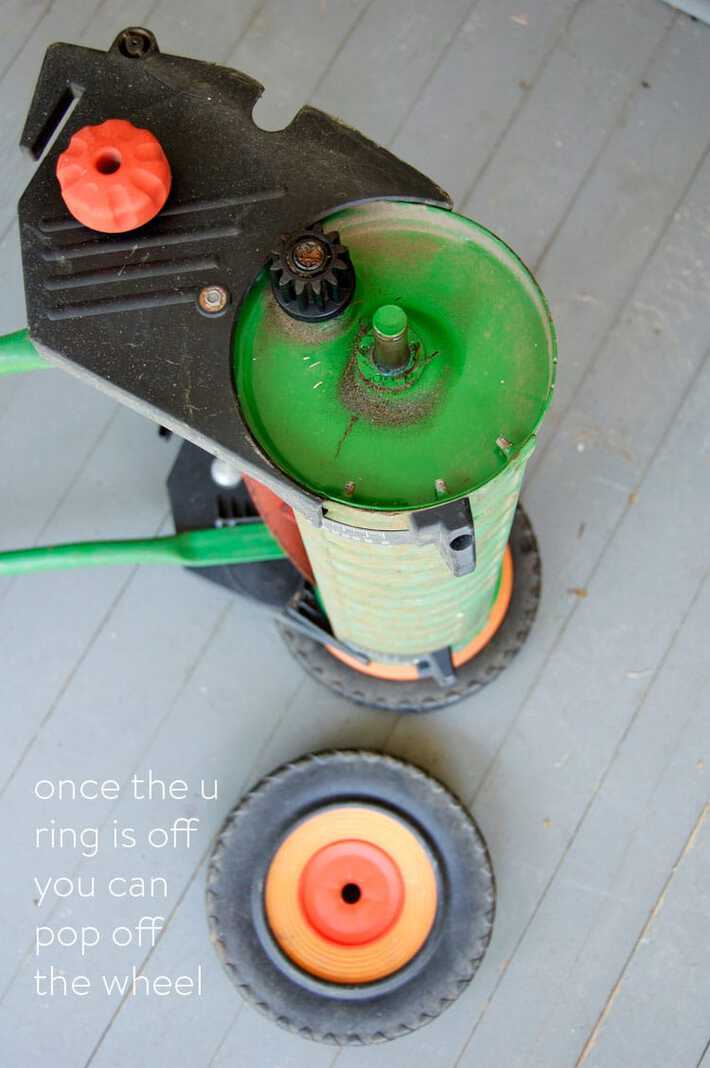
(311, 274)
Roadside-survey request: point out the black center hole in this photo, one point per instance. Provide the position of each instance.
(109, 161)
(350, 893)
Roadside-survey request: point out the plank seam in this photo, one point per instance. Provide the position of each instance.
(613, 994)
(625, 301)
(136, 767)
(25, 39)
(432, 73)
(613, 130)
(522, 103)
(659, 778)
(339, 50)
(198, 867)
(73, 481)
(600, 559)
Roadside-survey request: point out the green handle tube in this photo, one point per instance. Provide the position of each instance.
(247, 543)
(18, 354)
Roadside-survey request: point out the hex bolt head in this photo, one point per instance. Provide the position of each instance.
(213, 299)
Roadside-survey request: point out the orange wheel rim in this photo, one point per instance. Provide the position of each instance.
(351, 895)
(408, 672)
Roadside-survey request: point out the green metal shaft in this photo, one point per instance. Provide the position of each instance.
(247, 543)
(18, 354)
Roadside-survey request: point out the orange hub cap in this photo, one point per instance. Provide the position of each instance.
(114, 177)
(352, 892)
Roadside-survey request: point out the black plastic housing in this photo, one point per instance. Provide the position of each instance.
(121, 309)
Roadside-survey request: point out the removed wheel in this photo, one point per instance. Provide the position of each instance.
(350, 897)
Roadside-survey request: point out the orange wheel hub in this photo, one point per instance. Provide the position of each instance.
(352, 892)
(351, 895)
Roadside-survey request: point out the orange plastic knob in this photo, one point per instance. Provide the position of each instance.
(114, 177)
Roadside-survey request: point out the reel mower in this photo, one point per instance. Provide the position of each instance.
(358, 372)
(358, 375)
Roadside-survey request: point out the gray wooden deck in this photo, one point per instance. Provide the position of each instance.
(579, 132)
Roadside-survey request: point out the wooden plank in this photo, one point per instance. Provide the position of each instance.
(612, 875)
(492, 63)
(210, 31)
(620, 213)
(579, 100)
(287, 58)
(50, 407)
(671, 952)
(386, 61)
(114, 497)
(19, 18)
(588, 694)
(185, 1030)
(216, 722)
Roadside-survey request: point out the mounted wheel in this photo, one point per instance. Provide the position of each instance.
(425, 694)
(350, 897)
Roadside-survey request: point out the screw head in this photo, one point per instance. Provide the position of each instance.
(135, 42)
(213, 299)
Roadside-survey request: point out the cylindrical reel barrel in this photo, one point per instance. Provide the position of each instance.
(409, 405)
(389, 594)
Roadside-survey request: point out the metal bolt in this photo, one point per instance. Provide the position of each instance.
(225, 475)
(213, 299)
(136, 42)
(309, 254)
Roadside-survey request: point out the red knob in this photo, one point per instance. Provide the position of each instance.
(114, 177)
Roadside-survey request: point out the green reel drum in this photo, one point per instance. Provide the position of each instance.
(411, 412)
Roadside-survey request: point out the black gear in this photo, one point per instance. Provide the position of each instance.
(312, 277)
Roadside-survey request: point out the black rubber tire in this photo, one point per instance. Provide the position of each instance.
(425, 695)
(328, 1012)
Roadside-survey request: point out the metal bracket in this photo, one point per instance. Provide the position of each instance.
(449, 527)
(303, 614)
(438, 666)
